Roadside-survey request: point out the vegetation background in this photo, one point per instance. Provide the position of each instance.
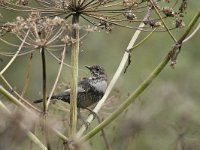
(166, 116)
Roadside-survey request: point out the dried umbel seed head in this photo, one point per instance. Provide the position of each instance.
(6, 28)
(33, 16)
(130, 3)
(154, 24)
(22, 2)
(2, 2)
(130, 15)
(105, 24)
(89, 28)
(151, 4)
(169, 12)
(67, 40)
(183, 6)
(179, 23)
(56, 21)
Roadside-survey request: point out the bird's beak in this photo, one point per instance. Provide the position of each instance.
(89, 67)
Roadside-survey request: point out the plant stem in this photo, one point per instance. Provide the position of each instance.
(58, 75)
(21, 98)
(4, 92)
(44, 80)
(165, 25)
(74, 64)
(44, 98)
(16, 54)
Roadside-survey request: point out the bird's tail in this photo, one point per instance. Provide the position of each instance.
(62, 97)
(37, 101)
(41, 100)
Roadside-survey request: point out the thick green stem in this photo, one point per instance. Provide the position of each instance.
(21, 98)
(74, 64)
(45, 98)
(140, 88)
(12, 98)
(44, 80)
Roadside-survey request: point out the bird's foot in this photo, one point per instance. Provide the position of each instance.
(92, 113)
(87, 124)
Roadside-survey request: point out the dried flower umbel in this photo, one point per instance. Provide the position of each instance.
(102, 14)
(44, 32)
(111, 12)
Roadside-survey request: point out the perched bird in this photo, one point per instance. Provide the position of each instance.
(90, 89)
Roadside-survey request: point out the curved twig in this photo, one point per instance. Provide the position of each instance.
(16, 54)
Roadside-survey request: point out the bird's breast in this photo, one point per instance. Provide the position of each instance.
(99, 85)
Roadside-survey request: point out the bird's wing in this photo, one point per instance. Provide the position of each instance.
(84, 85)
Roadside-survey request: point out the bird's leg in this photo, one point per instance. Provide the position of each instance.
(94, 114)
(82, 119)
(102, 131)
(86, 123)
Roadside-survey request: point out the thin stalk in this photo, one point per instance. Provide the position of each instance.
(7, 94)
(165, 25)
(140, 88)
(27, 78)
(58, 75)
(192, 34)
(60, 135)
(16, 54)
(73, 84)
(18, 95)
(143, 40)
(194, 20)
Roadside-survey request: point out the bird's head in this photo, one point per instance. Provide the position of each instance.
(96, 70)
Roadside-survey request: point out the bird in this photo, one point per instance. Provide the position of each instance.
(89, 90)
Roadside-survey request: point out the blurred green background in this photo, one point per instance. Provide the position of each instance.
(165, 116)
